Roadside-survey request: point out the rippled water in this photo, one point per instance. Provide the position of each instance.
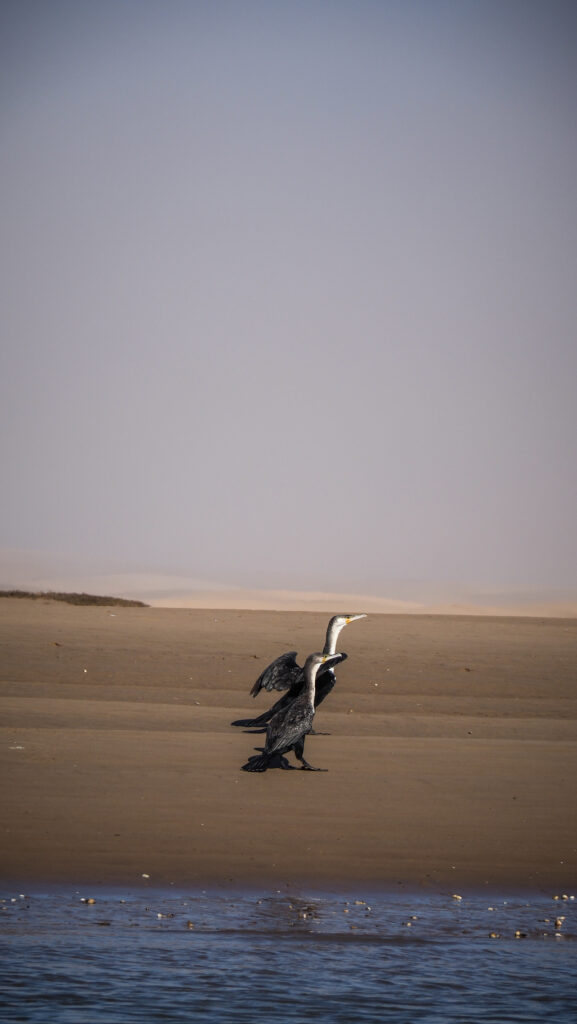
(157, 955)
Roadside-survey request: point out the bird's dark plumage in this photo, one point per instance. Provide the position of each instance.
(279, 675)
(288, 728)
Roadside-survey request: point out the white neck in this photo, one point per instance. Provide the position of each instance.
(311, 678)
(332, 636)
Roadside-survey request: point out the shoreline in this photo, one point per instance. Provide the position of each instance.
(307, 891)
(451, 752)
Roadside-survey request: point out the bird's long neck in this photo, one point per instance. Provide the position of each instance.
(333, 630)
(310, 683)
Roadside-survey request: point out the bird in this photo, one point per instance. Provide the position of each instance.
(285, 674)
(288, 728)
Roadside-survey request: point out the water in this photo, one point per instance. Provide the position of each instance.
(170, 956)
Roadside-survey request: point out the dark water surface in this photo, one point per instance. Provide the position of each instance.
(167, 955)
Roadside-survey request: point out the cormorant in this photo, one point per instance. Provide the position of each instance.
(288, 728)
(285, 674)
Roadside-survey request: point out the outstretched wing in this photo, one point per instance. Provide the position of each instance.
(279, 675)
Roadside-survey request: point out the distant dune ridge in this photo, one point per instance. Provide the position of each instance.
(287, 600)
(38, 572)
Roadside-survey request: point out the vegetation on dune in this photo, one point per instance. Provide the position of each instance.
(50, 595)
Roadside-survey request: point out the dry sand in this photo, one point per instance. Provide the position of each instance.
(451, 751)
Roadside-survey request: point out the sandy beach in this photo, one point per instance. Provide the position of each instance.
(450, 744)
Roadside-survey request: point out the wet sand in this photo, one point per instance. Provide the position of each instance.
(451, 751)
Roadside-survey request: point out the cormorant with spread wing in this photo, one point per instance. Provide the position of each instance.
(285, 674)
(288, 728)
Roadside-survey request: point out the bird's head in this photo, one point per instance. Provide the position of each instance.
(317, 659)
(329, 658)
(338, 622)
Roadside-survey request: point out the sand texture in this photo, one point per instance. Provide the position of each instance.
(451, 750)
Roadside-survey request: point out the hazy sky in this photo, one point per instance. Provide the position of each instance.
(289, 289)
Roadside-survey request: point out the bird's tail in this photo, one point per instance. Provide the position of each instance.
(250, 723)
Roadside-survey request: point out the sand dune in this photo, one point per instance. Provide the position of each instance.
(290, 600)
(37, 571)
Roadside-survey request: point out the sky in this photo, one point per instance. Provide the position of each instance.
(288, 289)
